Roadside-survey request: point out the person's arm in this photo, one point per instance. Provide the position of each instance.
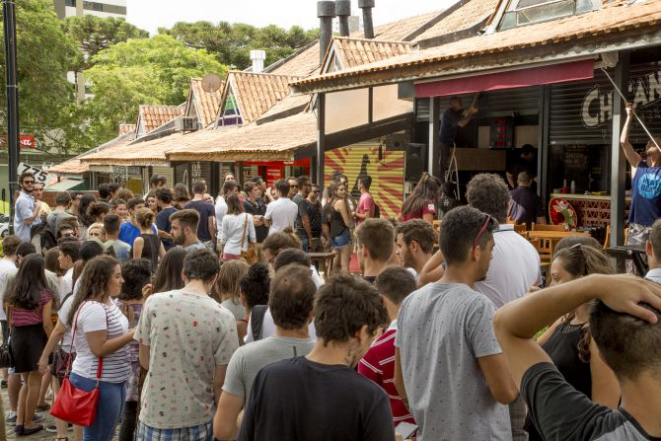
(510, 179)
(46, 311)
(252, 237)
(629, 152)
(211, 223)
(605, 387)
(218, 380)
(224, 231)
(225, 422)
(517, 322)
(267, 215)
(306, 226)
(399, 379)
(143, 356)
(24, 211)
(138, 244)
(53, 341)
(101, 345)
(495, 371)
(433, 270)
(161, 251)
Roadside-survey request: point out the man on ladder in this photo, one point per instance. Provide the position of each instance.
(453, 118)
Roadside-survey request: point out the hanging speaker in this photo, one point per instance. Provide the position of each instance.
(415, 161)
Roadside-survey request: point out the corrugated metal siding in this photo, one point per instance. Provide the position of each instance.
(387, 175)
(523, 101)
(581, 111)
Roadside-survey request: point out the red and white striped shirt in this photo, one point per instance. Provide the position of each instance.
(379, 366)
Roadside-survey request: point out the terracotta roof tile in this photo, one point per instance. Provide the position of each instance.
(638, 19)
(141, 153)
(357, 51)
(303, 64)
(257, 93)
(400, 29)
(208, 103)
(70, 167)
(289, 104)
(156, 115)
(470, 14)
(277, 140)
(126, 128)
(76, 166)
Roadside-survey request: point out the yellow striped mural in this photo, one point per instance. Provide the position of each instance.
(387, 174)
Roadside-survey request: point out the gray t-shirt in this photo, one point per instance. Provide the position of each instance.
(234, 306)
(54, 220)
(248, 360)
(442, 331)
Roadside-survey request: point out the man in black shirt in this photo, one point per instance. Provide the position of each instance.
(526, 162)
(314, 215)
(254, 204)
(206, 229)
(525, 206)
(320, 396)
(625, 325)
(302, 223)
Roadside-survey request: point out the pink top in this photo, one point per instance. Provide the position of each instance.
(365, 205)
(428, 208)
(26, 317)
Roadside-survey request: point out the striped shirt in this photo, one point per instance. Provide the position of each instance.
(92, 317)
(378, 365)
(28, 317)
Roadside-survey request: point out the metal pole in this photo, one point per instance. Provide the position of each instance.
(434, 154)
(321, 140)
(618, 162)
(9, 21)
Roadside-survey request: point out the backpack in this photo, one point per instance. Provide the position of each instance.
(377, 210)
(257, 320)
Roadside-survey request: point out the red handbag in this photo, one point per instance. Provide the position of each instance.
(75, 405)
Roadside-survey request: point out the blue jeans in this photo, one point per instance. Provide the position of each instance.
(111, 401)
(305, 241)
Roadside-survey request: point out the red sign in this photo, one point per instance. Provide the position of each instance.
(274, 173)
(25, 141)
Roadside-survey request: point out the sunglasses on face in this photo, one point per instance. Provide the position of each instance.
(28, 182)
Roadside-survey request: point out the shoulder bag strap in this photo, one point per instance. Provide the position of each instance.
(245, 228)
(73, 338)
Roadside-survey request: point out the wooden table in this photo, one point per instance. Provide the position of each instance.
(545, 242)
(325, 259)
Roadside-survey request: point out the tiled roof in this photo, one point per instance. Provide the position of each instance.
(70, 167)
(126, 128)
(610, 24)
(273, 141)
(400, 29)
(354, 52)
(138, 154)
(305, 63)
(207, 103)
(292, 103)
(155, 116)
(471, 13)
(256, 93)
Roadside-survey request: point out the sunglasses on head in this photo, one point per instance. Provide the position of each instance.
(482, 230)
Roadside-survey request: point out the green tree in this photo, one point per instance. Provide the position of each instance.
(94, 34)
(231, 43)
(141, 71)
(44, 55)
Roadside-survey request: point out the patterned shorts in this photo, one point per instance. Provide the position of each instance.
(203, 432)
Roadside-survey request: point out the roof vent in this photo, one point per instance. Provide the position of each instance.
(257, 57)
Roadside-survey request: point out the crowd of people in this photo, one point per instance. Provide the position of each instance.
(198, 318)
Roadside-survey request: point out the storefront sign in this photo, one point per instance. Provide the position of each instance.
(39, 174)
(24, 141)
(597, 107)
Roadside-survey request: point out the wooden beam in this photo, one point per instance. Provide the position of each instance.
(369, 131)
(321, 140)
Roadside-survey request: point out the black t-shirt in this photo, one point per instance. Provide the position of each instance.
(314, 214)
(206, 210)
(300, 400)
(560, 412)
(449, 125)
(163, 223)
(257, 210)
(525, 206)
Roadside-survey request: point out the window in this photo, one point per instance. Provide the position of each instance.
(71, 3)
(230, 115)
(523, 12)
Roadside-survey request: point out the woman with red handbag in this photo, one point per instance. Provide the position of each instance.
(100, 338)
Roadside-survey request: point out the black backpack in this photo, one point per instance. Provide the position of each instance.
(377, 210)
(257, 321)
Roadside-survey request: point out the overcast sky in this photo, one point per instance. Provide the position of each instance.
(152, 14)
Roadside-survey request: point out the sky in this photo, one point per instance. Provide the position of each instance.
(152, 14)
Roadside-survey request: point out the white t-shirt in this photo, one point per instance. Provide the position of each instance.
(7, 267)
(63, 315)
(514, 269)
(92, 317)
(66, 284)
(282, 214)
(221, 211)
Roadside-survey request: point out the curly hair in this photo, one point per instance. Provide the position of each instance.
(144, 217)
(255, 285)
(136, 274)
(93, 281)
(96, 210)
(488, 193)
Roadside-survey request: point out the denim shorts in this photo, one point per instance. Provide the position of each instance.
(341, 241)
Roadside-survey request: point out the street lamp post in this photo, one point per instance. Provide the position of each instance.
(9, 21)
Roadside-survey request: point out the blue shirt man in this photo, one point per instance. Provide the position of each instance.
(27, 209)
